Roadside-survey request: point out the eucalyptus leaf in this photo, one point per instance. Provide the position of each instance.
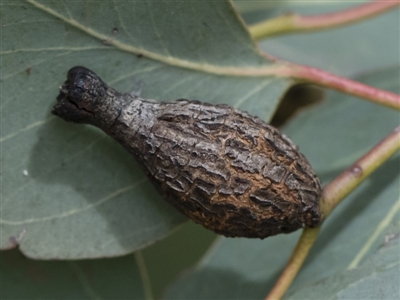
(23, 278)
(69, 191)
(332, 135)
(378, 278)
(348, 51)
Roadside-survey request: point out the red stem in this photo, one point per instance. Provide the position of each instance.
(291, 23)
(322, 78)
(354, 14)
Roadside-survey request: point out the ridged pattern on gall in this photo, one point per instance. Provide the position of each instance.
(223, 168)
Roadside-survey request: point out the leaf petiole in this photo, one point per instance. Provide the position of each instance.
(346, 182)
(341, 84)
(293, 23)
(296, 260)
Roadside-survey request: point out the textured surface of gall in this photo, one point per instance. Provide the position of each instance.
(223, 168)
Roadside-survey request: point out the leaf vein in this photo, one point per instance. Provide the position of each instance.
(49, 171)
(253, 91)
(75, 211)
(255, 71)
(84, 281)
(369, 243)
(168, 54)
(140, 71)
(70, 49)
(27, 128)
(121, 21)
(176, 84)
(144, 274)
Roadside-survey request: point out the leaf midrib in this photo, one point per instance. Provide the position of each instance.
(263, 71)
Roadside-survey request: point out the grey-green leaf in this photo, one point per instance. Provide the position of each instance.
(378, 278)
(22, 278)
(69, 191)
(349, 50)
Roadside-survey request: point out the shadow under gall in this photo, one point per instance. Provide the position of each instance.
(87, 173)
